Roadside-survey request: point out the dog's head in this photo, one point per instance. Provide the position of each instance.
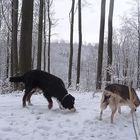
(105, 100)
(135, 97)
(68, 102)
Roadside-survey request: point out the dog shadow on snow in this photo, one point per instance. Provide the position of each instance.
(42, 109)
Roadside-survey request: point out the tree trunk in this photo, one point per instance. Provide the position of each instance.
(49, 35)
(40, 25)
(26, 36)
(80, 45)
(8, 45)
(45, 35)
(109, 58)
(138, 69)
(100, 49)
(0, 18)
(14, 52)
(71, 43)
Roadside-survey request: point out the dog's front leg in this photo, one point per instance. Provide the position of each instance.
(119, 109)
(113, 105)
(113, 109)
(28, 89)
(101, 114)
(50, 105)
(24, 99)
(28, 98)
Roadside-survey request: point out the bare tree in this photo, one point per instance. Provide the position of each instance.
(40, 27)
(109, 58)
(71, 15)
(134, 23)
(45, 41)
(100, 49)
(80, 44)
(49, 3)
(138, 69)
(0, 17)
(26, 36)
(14, 51)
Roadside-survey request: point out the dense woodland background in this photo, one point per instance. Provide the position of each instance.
(26, 28)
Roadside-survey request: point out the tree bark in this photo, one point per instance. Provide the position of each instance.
(49, 34)
(14, 51)
(45, 42)
(71, 43)
(100, 49)
(80, 45)
(138, 68)
(109, 58)
(26, 36)
(40, 25)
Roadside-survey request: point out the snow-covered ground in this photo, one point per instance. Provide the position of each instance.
(38, 123)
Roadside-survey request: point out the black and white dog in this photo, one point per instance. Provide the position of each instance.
(51, 86)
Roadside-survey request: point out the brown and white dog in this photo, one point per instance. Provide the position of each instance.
(117, 95)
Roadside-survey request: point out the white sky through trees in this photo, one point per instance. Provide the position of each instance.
(90, 19)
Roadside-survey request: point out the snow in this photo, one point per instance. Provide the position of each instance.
(37, 122)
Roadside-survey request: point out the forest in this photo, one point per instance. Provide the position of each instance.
(26, 30)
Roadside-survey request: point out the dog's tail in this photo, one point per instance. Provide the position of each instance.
(16, 79)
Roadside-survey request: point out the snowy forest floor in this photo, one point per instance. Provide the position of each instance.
(37, 122)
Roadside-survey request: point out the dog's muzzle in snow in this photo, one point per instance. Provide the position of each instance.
(63, 108)
(62, 105)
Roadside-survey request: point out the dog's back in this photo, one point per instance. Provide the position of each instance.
(38, 79)
(118, 89)
(116, 95)
(123, 92)
(16, 79)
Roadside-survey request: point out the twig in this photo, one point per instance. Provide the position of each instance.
(134, 127)
(137, 123)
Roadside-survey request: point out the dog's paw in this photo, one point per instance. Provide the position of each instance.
(23, 105)
(30, 104)
(50, 105)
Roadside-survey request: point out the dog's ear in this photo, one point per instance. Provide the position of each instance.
(73, 99)
(68, 102)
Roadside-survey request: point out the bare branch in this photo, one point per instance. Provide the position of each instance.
(3, 13)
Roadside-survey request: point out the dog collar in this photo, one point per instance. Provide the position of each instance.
(64, 97)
